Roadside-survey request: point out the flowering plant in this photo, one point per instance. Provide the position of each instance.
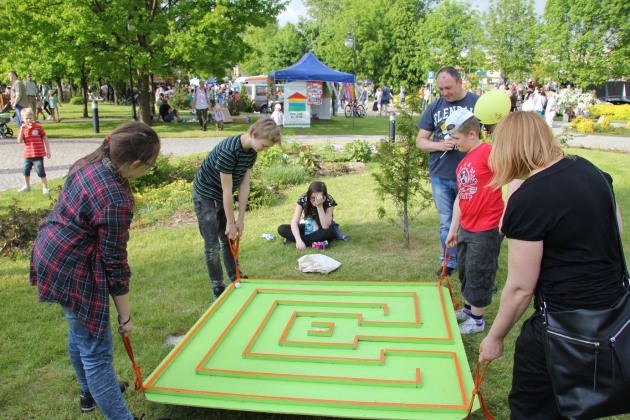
(570, 97)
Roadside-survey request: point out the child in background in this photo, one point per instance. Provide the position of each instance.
(474, 228)
(218, 116)
(278, 115)
(39, 105)
(79, 258)
(53, 101)
(318, 227)
(227, 168)
(36, 147)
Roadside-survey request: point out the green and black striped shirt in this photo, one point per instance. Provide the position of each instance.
(227, 157)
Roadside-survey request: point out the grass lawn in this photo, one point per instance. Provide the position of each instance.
(170, 290)
(110, 116)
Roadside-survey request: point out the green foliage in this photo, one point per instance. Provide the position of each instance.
(180, 99)
(282, 176)
(19, 229)
(514, 35)
(360, 151)
(565, 136)
(187, 169)
(272, 157)
(158, 176)
(242, 104)
(76, 100)
(403, 170)
(260, 194)
(308, 159)
(587, 41)
(158, 203)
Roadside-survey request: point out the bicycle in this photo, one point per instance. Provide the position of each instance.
(358, 109)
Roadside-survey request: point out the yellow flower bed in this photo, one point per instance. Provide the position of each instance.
(615, 112)
(583, 125)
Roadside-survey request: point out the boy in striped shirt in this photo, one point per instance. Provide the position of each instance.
(36, 147)
(227, 168)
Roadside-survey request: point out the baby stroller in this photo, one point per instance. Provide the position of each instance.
(5, 131)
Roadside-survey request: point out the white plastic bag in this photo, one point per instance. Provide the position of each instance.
(317, 263)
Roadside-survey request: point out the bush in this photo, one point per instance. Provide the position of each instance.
(583, 124)
(260, 194)
(187, 169)
(603, 121)
(360, 151)
(180, 99)
(19, 229)
(615, 112)
(158, 203)
(158, 176)
(282, 176)
(243, 104)
(273, 157)
(76, 100)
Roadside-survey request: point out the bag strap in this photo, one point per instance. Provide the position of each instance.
(614, 205)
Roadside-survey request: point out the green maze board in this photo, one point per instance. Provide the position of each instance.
(339, 349)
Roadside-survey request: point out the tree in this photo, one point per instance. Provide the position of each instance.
(442, 35)
(587, 42)
(402, 175)
(513, 37)
(273, 49)
(198, 36)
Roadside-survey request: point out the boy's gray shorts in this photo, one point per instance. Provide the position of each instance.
(477, 264)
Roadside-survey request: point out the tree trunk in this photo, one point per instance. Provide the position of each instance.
(143, 97)
(84, 91)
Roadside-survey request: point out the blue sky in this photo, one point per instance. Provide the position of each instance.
(295, 9)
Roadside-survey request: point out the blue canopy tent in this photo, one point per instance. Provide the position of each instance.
(310, 68)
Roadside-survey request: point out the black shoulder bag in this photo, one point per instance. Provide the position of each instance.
(588, 355)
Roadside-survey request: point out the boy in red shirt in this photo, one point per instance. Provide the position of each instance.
(36, 147)
(475, 225)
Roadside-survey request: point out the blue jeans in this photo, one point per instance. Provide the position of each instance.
(92, 360)
(444, 194)
(18, 115)
(212, 222)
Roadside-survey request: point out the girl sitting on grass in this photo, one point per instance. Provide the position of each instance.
(318, 227)
(79, 258)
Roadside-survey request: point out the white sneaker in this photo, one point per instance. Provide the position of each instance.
(45, 191)
(470, 326)
(462, 314)
(25, 188)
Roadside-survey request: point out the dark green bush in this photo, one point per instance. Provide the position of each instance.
(158, 176)
(19, 229)
(360, 151)
(187, 169)
(180, 99)
(76, 100)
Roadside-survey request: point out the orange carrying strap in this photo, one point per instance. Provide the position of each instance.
(477, 391)
(234, 243)
(138, 383)
(448, 254)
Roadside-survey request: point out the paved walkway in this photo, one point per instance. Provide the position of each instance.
(67, 151)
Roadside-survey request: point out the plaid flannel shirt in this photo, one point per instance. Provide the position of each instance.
(80, 255)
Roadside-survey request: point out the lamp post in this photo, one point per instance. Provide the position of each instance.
(130, 28)
(467, 51)
(351, 42)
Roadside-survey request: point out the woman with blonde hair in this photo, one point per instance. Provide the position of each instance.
(559, 224)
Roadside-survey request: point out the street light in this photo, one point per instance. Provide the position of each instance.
(351, 42)
(467, 52)
(131, 28)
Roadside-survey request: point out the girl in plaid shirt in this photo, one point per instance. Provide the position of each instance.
(79, 258)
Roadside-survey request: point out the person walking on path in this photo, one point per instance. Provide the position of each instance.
(200, 101)
(32, 95)
(19, 99)
(36, 147)
(444, 157)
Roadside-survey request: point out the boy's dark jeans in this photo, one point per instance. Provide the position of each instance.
(212, 222)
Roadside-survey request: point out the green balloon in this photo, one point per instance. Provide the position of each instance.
(492, 106)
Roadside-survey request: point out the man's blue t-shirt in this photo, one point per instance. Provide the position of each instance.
(433, 120)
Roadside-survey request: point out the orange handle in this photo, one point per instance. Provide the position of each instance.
(234, 248)
(477, 391)
(138, 383)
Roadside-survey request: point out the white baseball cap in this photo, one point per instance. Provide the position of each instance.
(455, 120)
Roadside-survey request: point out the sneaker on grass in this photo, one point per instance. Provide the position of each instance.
(87, 402)
(25, 188)
(471, 326)
(462, 314)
